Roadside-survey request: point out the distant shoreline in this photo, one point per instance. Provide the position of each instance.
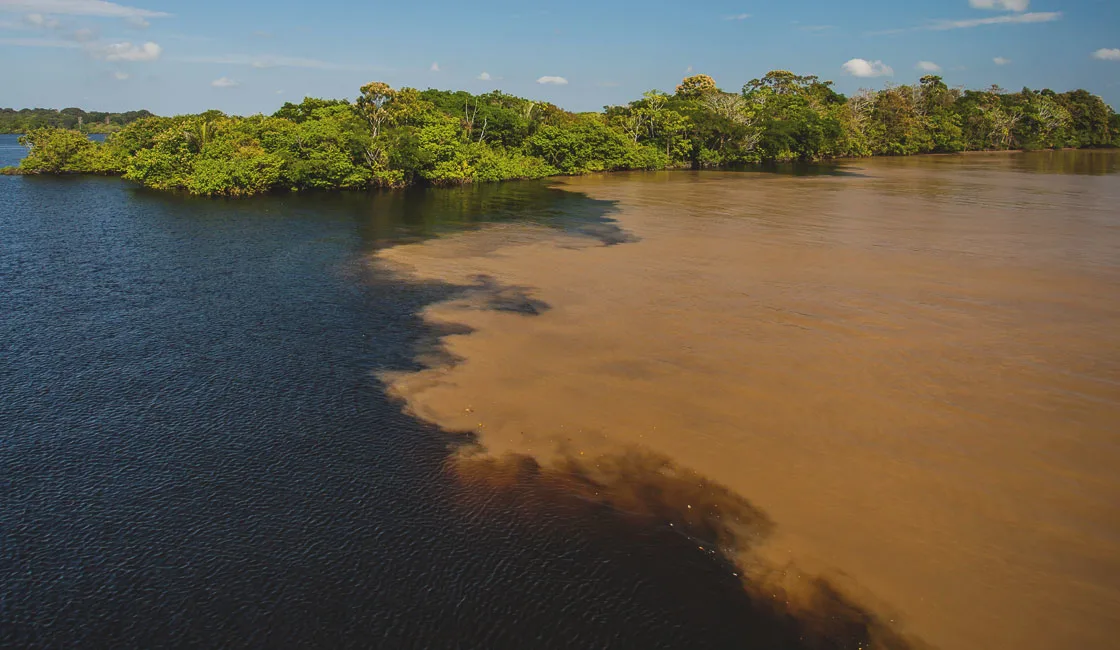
(744, 167)
(394, 138)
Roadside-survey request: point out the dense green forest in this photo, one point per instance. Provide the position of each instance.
(29, 119)
(394, 138)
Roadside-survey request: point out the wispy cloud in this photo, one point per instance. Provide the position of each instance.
(554, 81)
(127, 51)
(865, 68)
(225, 82)
(485, 76)
(434, 67)
(999, 60)
(274, 61)
(40, 21)
(139, 22)
(1007, 5)
(121, 76)
(737, 17)
(1032, 17)
(100, 8)
(928, 66)
(967, 23)
(1107, 54)
(85, 38)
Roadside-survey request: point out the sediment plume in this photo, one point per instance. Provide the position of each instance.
(906, 377)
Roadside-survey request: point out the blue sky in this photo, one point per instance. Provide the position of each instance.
(247, 56)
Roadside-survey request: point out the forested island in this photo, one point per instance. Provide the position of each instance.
(396, 138)
(28, 119)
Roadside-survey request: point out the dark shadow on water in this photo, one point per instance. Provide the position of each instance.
(391, 217)
(498, 297)
(635, 494)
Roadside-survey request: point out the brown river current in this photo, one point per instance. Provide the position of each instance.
(911, 367)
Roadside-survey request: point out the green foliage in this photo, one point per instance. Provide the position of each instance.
(398, 137)
(304, 110)
(585, 145)
(1091, 120)
(63, 151)
(696, 86)
(234, 166)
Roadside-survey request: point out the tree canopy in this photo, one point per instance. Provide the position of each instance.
(397, 137)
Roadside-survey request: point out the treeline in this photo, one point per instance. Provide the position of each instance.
(29, 119)
(394, 138)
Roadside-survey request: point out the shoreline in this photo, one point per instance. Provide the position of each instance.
(763, 166)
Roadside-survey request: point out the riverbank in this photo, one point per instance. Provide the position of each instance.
(817, 166)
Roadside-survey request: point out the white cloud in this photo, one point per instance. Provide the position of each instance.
(737, 17)
(273, 61)
(40, 21)
(485, 76)
(555, 81)
(928, 66)
(1008, 5)
(78, 8)
(435, 67)
(999, 60)
(138, 22)
(121, 76)
(1033, 17)
(127, 51)
(865, 68)
(224, 82)
(1106, 54)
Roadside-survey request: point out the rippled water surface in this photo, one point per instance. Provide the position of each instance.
(194, 449)
(197, 447)
(11, 151)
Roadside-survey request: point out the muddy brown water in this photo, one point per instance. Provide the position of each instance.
(909, 367)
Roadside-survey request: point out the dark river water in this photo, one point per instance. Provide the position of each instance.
(195, 449)
(11, 151)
